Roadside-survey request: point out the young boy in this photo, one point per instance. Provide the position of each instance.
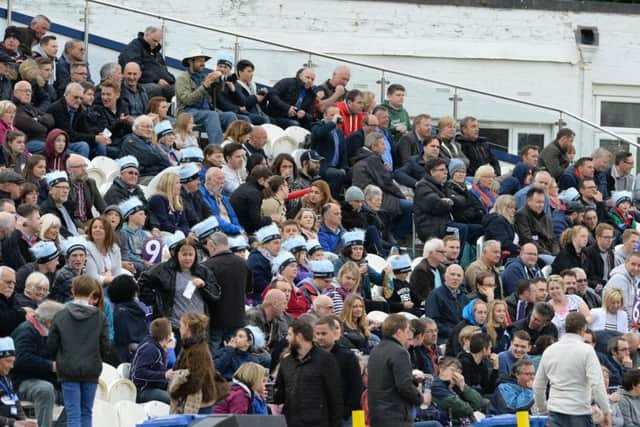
(78, 341)
(399, 296)
(399, 121)
(133, 236)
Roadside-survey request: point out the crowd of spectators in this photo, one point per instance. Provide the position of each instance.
(262, 273)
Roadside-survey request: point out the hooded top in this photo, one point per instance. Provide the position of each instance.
(56, 163)
(468, 314)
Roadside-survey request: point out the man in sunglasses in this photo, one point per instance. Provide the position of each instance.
(126, 185)
(538, 322)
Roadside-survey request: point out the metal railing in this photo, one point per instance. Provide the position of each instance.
(562, 115)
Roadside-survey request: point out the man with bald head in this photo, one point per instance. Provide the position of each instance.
(292, 100)
(522, 267)
(256, 143)
(132, 92)
(334, 89)
(445, 303)
(211, 191)
(541, 180)
(271, 318)
(355, 141)
(322, 306)
(35, 123)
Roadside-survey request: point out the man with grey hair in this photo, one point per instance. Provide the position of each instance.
(236, 284)
(30, 36)
(334, 89)
(34, 372)
(11, 314)
(84, 194)
(74, 52)
(111, 71)
(220, 205)
(322, 306)
(151, 158)
(34, 122)
(145, 50)
(429, 273)
(488, 261)
(601, 160)
(590, 297)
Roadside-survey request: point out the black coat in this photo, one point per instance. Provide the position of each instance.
(594, 266)
(467, 209)
(34, 123)
(92, 198)
(431, 212)
(567, 258)
(246, 202)
(235, 282)
(411, 171)
(104, 118)
(310, 389)
(392, 393)
(322, 142)
(150, 60)
(479, 153)
(79, 129)
(158, 287)
(496, 227)
(195, 208)
(369, 169)
(408, 146)
(351, 378)
(355, 142)
(50, 207)
(11, 315)
(483, 377)
(15, 250)
(523, 325)
(130, 328)
(119, 192)
(422, 280)
(284, 94)
(537, 229)
(33, 360)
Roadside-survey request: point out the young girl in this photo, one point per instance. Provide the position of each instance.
(166, 140)
(184, 131)
(620, 215)
(56, 150)
(247, 391)
(34, 172)
(12, 153)
(275, 197)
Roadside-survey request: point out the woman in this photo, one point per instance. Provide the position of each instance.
(275, 197)
(373, 202)
(498, 326)
(308, 223)
(355, 324)
(449, 148)
(29, 70)
(238, 131)
(29, 195)
(183, 129)
(318, 196)
(349, 280)
(611, 316)
(369, 99)
(165, 206)
(520, 177)
(12, 151)
(473, 314)
(621, 216)
(467, 209)
(297, 246)
(285, 166)
(34, 172)
(564, 304)
(453, 396)
(573, 240)
(197, 390)
(248, 388)
(7, 117)
(56, 150)
(104, 260)
(50, 226)
(158, 107)
(180, 284)
(242, 348)
(482, 187)
(499, 225)
(36, 289)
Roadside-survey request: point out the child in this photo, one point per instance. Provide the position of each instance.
(184, 131)
(12, 154)
(400, 296)
(56, 150)
(133, 236)
(620, 215)
(79, 340)
(166, 140)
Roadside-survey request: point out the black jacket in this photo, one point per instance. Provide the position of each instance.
(79, 342)
(92, 198)
(235, 282)
(523, 325)
(150, 60)
(15, 250)
(130, 327)
(104, 118)
(479, 153)
(11, 315)
(352, 387)
(431, 212)
(78, 129)
(594, 265)
(369, 169)
(392, 393)
(195, 207)
(422, 279)
(33, 360)
(151, 157)
(496, 227)
(408, 146)
(567, 258)
(50, 207)
(354, 142)
(483, 377)
(246, 202)
(467, 209)
(158, 287)
(119, 192)
(411, 171)
(310, 389)
(285, 93)
(322, 142)
(61, 287)
(537, 229)
(34, 123)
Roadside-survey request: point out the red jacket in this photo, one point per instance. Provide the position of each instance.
(238, 401)
(352, 122)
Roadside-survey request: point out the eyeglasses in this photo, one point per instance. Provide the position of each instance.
(441, 251)
(132, 173)
(77, 97)
(623, 350)
(24, 90)
(581, 280)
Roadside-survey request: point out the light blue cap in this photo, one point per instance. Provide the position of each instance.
(322, 269)
(257, 337)
(45, 251)
(295, 244)
(56, 177)
(7, 347)
(569, 195)
(191, 154)
(400, 263)
(268, 233)
(130, 206)
(353, 237)
(188, 172)
(225, 57)
(163, 128)
(282, 260)
(127, 162)
(206, 228)
(74, 243)
(313, 245)
(621, 196)
(173, 240)
(238, 243)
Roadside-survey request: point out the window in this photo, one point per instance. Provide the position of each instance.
(499, 138)
(620, 114)
(525, 139)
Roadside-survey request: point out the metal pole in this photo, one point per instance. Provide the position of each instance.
(455, 103)
(86, 30)
(236, 51)
(9, 11)
(163, 27)
(383, 86)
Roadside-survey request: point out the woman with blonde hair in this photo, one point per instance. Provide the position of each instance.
(572, 240)
(165, 206)
(498, 326)
(247, 391)
(238, 131)
(449, 148)
(498, 225)
(7, 118)
(612, 315)
(308, 223)
(50, 228)
(564, 304)
(482, 187)
(183, 129)
(29, 70)
(355, 324)
(318, 196)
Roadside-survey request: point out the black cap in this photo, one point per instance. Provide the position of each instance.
(311, 155)
(12, 31)
(11, 177)
(574, 207)
(4, 57)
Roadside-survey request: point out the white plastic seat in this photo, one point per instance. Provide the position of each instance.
(104, 188)
(479, 244)
(109, 373)
(284, 144)
(273, 132)
(297, 133)
(130, 414)
(123, 369)
(97, 175)
(377, 316)
(104, 414)
(376, 262)
(296, 156)
(122, 389)
(546, 271)
(106, 164)
(155, 409)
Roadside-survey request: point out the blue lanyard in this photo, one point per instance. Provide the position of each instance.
(5, 384)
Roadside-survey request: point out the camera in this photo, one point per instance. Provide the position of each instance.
(232, 78)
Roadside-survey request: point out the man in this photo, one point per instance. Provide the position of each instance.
(73, 52)
(534, 226)
(328, 140)
(195, 207)
(256, 143)
(145, 51)
(10, 46)
(413, 170)
(445, 303)
(7, 205)
(620, 176)
(452, 250)
(480, 365)
(391, 389)
(599, 259)
(194, 95)
(11, 314)
(519, 349)
(583, 169)
(234, 278)
(520, 302)
(351, 112)
(34, 373)
(630, 241)
(309, 170)
(308, 373)
(529, 155)
(382, 114)
(16, 248)
(58, 183)
(590, 297)
(541, 180)
(515, 392)
(490, 257)
(326, 334)
(84, 195)
(219, 204)
(331, 230)
(7, 226)
(334, 89)
(75, 255)
(428, 351)
(355, 141)
(590, 220)
(554, 156)
(590, 196)
(625, 277)
(322, 306)
(476, 148)
(601, 160)
(48, 48)
(113, 115)
(151, 158)
(270, 317)
(539, 290)
(30, 36)
(34, 122)
(45, 66)
(412, 143)
(46, 256)
(538, 323)
(126, 185)
(618, 358)
(6, 83)
(369, 169)
(247, 199)
(11, 412)
(522, 267)
(233, 167)
(291, 100)
(10, 185)
(70, 116)
(575, 382)
(132, 91)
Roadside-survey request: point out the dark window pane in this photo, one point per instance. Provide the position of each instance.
(525, 139)
(499, 138)
(620, 114)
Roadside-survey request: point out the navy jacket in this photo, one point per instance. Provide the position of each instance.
(496, 227)
(411, 171)
(33, 360)
(160, 216)
(515, 271)
(322, 141)
(150, 156)
(150, 60)
(355, 142)
(79, 128)
(446, 309)
(260, 267)
(149, 366)
(228, 359)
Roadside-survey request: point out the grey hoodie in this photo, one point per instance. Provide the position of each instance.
(621, 279)
(630, 408)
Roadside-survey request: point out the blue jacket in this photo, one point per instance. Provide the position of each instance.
(516, 181)
(163, 218)
(446, 309)
(231, 228)
(260, 267)
(151, 157)
(149, 366)
(328, 239)
(510, 398)
(514, 271)
(322, 142)
(228, 359)
(560, 222)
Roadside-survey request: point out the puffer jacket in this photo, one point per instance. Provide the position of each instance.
(432, 213)
(150, 60)
(467, 208)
